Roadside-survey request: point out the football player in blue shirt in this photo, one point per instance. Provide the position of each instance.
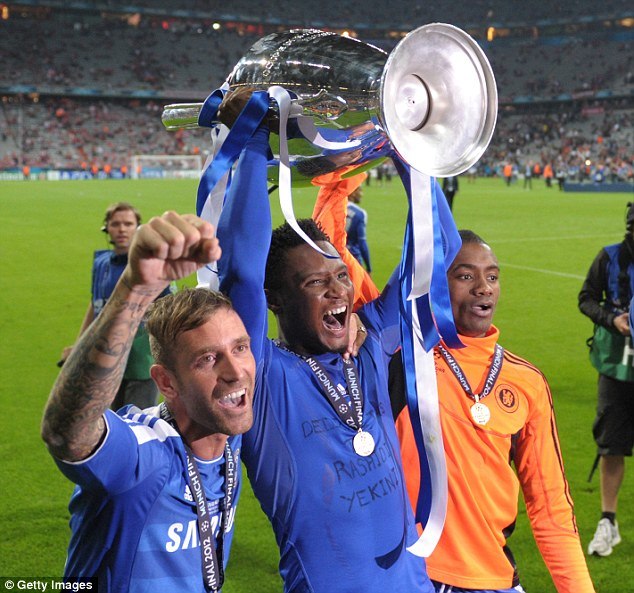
(356, 224)
(322, 456)
(156, 490)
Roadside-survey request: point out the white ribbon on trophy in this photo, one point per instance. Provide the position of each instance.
(283, 99)
(207, 276)
(425, 371)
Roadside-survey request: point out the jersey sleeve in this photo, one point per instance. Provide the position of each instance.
(94, 274)
(127, 455)
(97, 264)
(244, 232)
(330, 213)
(382, 315)
(547, 495)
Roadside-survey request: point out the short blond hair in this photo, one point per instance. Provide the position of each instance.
(176, 313)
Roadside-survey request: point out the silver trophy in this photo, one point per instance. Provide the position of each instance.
(432, 99)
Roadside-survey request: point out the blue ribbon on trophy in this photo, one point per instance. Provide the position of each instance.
(431, 105)
(243, 128)
(227, 146)
(431, 243)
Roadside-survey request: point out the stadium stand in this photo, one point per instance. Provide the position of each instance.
(64, 133)
(88, 87)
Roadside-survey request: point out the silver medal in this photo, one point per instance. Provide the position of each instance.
(480, 413)
(363, 443)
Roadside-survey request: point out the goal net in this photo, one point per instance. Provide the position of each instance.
(165, 166)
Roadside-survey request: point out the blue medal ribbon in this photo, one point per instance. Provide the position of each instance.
(244, 127)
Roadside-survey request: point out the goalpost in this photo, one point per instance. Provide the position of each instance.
(165, 166)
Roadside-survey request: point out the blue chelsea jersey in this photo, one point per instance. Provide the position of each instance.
(357, 244)
(133, 517)
(107, 267)
(342, 521)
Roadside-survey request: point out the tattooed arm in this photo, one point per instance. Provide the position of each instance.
(165, 249)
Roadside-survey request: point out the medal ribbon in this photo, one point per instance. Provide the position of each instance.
(492, 375)
(345, 412)
(212, 556)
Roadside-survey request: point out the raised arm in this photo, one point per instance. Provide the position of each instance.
(330, 213)
(165, 249)
(244, 230)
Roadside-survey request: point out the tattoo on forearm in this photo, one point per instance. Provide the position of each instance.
(152, 292)
(73, 425)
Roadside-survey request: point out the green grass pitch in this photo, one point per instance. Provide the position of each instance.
(545, 241)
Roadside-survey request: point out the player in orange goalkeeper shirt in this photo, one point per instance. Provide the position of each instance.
(484, 435)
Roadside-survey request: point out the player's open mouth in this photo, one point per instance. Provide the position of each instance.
(335, 319)
(234, 399)
(482, 309)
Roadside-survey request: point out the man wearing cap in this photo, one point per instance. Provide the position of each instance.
(605, 297)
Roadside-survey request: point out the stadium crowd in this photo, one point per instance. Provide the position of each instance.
(183, 58)
(593, 145)
(65, 133)
(76, 95)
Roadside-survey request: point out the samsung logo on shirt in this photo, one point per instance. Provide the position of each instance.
(184, 536)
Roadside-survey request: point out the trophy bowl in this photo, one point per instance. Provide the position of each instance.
(432, 99)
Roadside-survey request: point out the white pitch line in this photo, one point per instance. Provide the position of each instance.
(539, 270)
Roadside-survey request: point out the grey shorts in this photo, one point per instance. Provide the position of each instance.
(613, 427)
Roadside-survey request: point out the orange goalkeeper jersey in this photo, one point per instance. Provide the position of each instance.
(483, 487)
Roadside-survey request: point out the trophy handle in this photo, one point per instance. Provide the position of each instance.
(179, 116)
(326, 106)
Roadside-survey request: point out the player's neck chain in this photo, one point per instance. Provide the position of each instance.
(479, 411)
(212, 556)
(350, 415)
